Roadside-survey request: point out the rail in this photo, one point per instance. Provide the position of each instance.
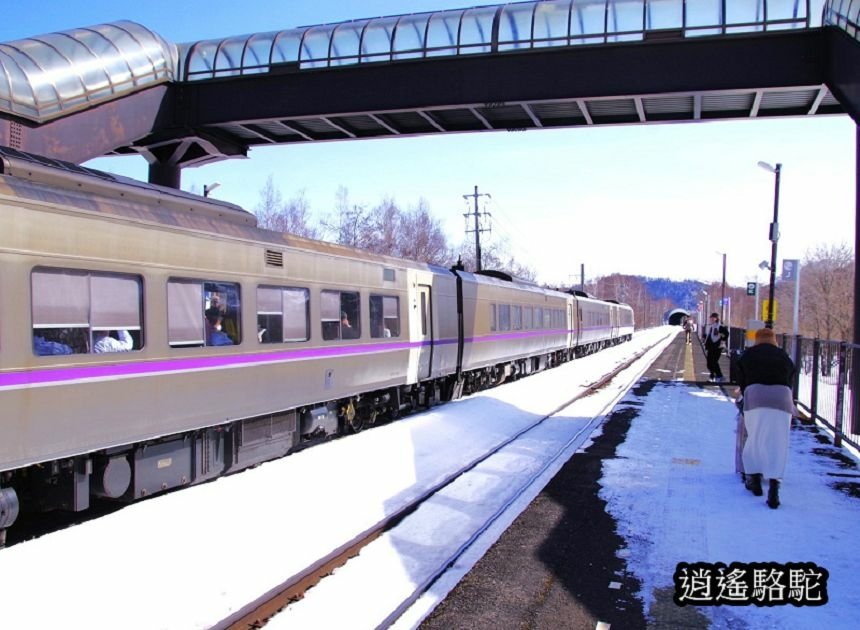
(824, 384)
(258, 612)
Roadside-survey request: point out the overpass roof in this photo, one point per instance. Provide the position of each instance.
(486, 29)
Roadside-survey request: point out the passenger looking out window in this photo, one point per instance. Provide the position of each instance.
(43, 347)
(384, 316)
(197, 310)
(103, 342)
(214, 335)
(283, 314)
(340, 314)
(74, 310)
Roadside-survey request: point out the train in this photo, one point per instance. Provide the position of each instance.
(153, 339)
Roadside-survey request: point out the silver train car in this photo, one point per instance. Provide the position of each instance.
(152, 339)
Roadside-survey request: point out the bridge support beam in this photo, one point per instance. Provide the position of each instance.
(855, 351)
(165, 174)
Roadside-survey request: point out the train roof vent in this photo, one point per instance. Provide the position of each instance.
(613, 301)
(274, 259)
(579, 293)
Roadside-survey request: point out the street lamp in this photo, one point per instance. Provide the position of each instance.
(208, 188)
(723, 294)
(774, 237)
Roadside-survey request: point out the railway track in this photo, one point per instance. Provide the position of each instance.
(257, 613)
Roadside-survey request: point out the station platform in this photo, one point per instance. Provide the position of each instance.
(608, 542)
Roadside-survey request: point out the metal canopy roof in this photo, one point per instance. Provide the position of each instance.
(51, 75)
(487, 29)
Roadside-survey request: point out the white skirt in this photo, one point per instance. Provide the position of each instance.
(766, 448)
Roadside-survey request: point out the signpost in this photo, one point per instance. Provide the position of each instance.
(791, 271)
(764, 309)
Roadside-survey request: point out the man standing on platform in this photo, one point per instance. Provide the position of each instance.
(714, 336)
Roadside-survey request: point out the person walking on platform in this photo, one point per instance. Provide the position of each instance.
(688, 329)
(714, 336)
(765, 375)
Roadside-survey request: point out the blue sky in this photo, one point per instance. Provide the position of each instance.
(657, 200)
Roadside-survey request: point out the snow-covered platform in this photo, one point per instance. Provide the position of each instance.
(664, 496)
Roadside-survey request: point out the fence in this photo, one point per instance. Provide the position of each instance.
(824, 384)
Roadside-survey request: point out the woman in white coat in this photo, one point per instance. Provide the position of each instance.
(765, 374)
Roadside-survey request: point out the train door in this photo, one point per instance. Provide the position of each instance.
(425, 336)
(571, 325)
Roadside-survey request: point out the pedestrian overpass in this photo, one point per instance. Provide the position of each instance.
(120, 88)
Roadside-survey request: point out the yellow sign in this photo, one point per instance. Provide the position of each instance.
(764, 304)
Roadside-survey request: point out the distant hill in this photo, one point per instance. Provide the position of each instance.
(682, 293)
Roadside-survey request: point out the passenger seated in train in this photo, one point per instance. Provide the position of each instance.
(346, 329)
(43, 347)
(214, 335)
(103, 342)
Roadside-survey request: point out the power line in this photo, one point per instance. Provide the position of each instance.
(502, 220)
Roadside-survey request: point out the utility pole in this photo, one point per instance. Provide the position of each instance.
(478, 229)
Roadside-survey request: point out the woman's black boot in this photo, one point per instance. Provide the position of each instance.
(773, 494)
(753, 484)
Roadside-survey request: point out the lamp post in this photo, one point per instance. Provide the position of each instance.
(774, 237)
(762, 265)
(208, 188)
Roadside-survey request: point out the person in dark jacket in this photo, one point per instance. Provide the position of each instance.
(714, 335)
(765, 374)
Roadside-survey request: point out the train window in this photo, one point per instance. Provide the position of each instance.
(538, 317)
(384, 316)
(339, 312)
(517, 317)
(547, 318)
(283, 314)
(423, 314)
(528, 321)
(492, 316)
(203, 313)
(76, 312)
(504, 316)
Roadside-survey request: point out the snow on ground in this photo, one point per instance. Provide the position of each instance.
(673, 491)
(192, 558)
(390, 571)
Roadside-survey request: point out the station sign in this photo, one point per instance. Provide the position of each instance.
(751, 288)
(790, 268)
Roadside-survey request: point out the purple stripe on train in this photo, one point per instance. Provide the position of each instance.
(48, 376)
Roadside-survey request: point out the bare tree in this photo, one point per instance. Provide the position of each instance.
(292, 216)
(385, 228)
(421, 236)
(351, 224)
(826, 293)
(496, 256)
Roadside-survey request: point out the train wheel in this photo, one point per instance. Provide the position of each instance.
(356, 424)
